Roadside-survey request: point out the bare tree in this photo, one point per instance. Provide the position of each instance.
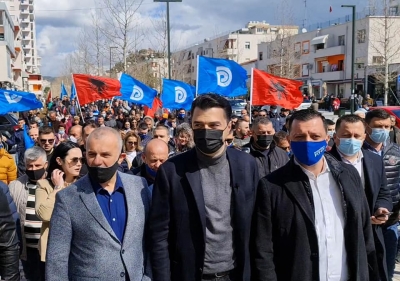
(121, 26)
(385, 44)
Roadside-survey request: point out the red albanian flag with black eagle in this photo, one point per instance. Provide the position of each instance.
(93, 88)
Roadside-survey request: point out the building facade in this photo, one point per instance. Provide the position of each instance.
(322, 58)
(239, 45)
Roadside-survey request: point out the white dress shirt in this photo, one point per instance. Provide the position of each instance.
(329, 225)
(358, 164)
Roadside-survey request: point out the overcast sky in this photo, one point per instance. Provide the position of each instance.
(59, 22)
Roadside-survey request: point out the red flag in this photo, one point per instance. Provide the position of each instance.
(48, 97)
(157, 104)
(330, 9)
(93, 88)
(273, 90)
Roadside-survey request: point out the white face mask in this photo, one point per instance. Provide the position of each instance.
(73, 139)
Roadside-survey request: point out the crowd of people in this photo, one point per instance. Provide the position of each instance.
(107, 193)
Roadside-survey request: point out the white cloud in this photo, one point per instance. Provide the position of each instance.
(59, 22)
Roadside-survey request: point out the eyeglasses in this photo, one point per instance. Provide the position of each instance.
(229, 141)
(132, 142)
(75, 160)
(44, 141)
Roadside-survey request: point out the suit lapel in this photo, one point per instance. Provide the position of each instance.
(90, 201)
(194, 179)
(132, 212)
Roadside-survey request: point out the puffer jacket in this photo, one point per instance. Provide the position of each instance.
(8, 169)
(391, 161)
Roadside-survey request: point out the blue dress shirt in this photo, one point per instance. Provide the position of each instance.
(113, 206)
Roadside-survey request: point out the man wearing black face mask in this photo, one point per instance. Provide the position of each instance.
(105, 229)
(23, 192)
(269, 157)
(203, 202)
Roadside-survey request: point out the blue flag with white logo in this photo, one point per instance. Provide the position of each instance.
(221, 76)
(29, 142)
(135, 91)
(14, 101)
(73, 92)
(177, 94)
(64, 92)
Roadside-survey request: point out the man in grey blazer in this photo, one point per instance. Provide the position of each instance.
(98, 223)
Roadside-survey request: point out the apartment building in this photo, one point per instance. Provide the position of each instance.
(239, 45)
(321, 58)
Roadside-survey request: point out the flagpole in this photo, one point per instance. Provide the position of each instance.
(251, 94)
(77, 98)
(197, 77)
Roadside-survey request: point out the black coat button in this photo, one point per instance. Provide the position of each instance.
(123, 251)
(122, 274)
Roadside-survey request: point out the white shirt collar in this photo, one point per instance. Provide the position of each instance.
(358, 160)
(325, 169)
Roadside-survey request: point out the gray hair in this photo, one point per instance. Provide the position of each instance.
(34, 153)
(99, 133)
(260, 120)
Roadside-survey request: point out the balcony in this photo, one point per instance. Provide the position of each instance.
(25, 12)
(27, 47)
(329, 76)
(332, 51)
(25, 20)
(229, 52)
(24, 2)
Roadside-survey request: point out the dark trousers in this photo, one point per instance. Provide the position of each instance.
(33, 267)
(390, 235)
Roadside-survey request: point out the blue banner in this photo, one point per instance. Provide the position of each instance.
(14, 101)
(177, 94)
(221, 76)
(64, 92)
(29, 142)
(73, 92)
(135, 91)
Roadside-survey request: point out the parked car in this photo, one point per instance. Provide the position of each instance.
(392, 110)
(304, 105)
(237, 106)
(8, 125)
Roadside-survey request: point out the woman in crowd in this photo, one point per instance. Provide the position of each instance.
(133, 146)
(64, 168)
(184, 138)
(134, 125)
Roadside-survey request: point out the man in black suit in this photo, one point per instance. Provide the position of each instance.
(349, 138)
(203, 202)
(312, 220)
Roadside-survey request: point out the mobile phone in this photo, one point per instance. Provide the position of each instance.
(383, 215)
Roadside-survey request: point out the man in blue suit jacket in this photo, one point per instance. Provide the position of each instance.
(349, 137)
(203, 202)
(98, 223)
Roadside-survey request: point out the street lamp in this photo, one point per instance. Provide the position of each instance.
(111, 57)
(168, 34)
(353, 51)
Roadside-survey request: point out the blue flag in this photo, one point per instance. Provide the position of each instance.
(29, 142)
(73, 92)
(14, 101)
(221, 76)
(135, 91)
(64, 92)
(177, 94)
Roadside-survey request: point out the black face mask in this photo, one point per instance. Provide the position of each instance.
(264, 141)
(101, 174)
(208, 141)
(35, 175)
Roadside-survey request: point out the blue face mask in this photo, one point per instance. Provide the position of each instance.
(379, 135)
(142, 136)
(350, 147)
(181, 115)
(151, 172)
(308, 152)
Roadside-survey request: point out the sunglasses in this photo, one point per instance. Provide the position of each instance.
(44, 141)
(75, 160)
(262, 115)
(132, 143)
(229, 141)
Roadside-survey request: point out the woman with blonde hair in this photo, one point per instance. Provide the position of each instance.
(132, 145)
(184, 138)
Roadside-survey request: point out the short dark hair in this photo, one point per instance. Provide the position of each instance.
(90, 124)
(161, 127)
(307, 115)
(171, 116)
(208, 101)
(352, 118)
(45, 130)
(376, 113)
(240, 121)
(329, 122)
(181, 109)
(263, 110)
(281, 135)
(142, 126)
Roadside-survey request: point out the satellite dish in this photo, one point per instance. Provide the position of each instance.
(304, 30)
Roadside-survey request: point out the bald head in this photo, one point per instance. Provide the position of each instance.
(155, 153)
(76, 132)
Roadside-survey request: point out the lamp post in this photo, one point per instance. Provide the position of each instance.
(353, 51)
(111, 57)
(168, 34)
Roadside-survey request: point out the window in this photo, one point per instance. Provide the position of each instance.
(260, 30)
(297, 51)
(393, 11)
(341, 40)
(304, 70)
(260, 56)
(247, 45)
(4, 121)
(192, 68)
(361, 36)
(306, 47)
(377, 60)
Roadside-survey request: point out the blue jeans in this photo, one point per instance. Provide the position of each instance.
(391, 236)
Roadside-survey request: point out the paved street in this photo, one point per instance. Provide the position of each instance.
(397, 273)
